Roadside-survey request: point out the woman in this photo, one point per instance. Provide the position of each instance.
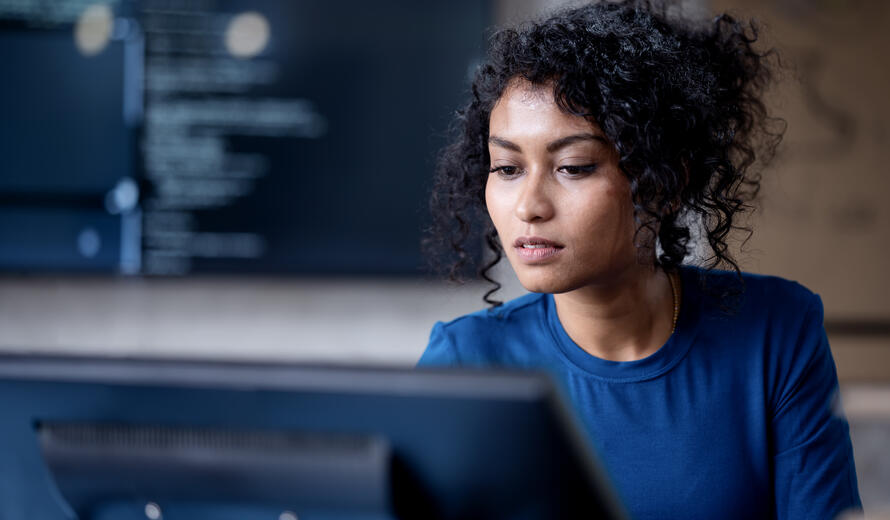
(595, 140)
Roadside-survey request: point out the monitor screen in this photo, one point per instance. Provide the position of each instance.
(226, 136)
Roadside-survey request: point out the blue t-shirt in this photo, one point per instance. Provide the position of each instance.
(736, 416)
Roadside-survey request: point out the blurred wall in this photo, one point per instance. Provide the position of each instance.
(823, 218)
(345, 321)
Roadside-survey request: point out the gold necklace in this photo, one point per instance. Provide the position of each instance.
(673, 278)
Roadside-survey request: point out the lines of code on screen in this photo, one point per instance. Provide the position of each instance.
(214, 136)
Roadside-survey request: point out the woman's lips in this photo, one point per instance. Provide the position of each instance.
(532, 250)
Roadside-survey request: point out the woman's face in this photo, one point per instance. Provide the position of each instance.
(560, 204)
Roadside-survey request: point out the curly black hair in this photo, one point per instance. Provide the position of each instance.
(681, 101)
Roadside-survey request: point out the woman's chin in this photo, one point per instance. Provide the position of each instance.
(544, 284)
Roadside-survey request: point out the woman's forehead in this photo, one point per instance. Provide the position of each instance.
(529, 107)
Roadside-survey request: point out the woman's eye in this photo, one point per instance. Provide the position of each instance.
(579, 169)
(504, 171)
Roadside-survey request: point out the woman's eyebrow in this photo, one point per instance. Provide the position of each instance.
(503, 143)
(572, 139)
(552, 147)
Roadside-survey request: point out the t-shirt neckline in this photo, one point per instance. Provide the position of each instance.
(650, 367)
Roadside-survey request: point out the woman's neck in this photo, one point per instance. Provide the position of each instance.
(625, 320)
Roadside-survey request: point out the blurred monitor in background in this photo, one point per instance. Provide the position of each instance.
(64, 144)
(166, 138)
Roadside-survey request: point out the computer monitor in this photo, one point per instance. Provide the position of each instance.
(117, 439)
(168, 138)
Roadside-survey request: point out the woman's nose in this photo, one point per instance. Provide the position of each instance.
(534, 202)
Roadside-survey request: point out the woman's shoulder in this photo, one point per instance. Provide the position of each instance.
(772, 318)
(761, 292)
(483, 337)
(761, 315)
(514, 310)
